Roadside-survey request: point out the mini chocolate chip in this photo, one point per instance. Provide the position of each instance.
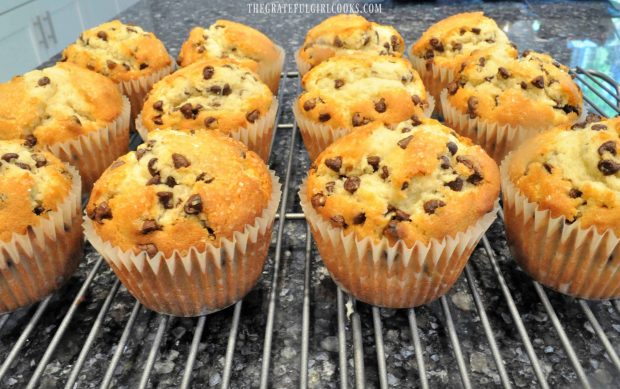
(207, 72)
(489, 40)
(38, 210)
(101, 212)
(150, 248)
(452, 147)
(456, 185)
(457, 46)
(309, 104)
(155, 180)
(151, 166)
(102, 35)
(404, 186)
(158, 105)
(252, 116)
(403, 143)
(338, 221)
(338, 83)
(140, 153)
(431, 205)
(548, 167)
(43, 81)
(609, 146)
(22, 165)
(205, 177)
(358, 120)
(40, 160)
(380, 105)
(608, 167)
(193, 206)
(436, 44)
(574, 193)
(416, 100)
(385, 172)
(318, 200)
(399, 215)
(114, 165)
(352, 184)
(30, 141)
(111, 64)
(475, 30)
(462, 31)
(126, 66)
(474, 178)
(360, 218)
(330, 187)
(570, 108)
(503, 72)
(334, 163)
(180, 161)
(598, 127)
(171, 182)
(149, 226)
(374, 161)
(8, 157)
(445, 162)
(538, 82)
(186, 110)
(394, 42)
(453, 87)
(144, 66)
(405, 130)
(523, 85)
(472, 104)
(216, 89)
(226, 89)
(158, 120)
(415, 120)
(165, 198)
(482, 61)
(337, 42)
(209, 121)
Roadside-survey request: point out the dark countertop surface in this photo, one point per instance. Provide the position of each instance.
(582, 34)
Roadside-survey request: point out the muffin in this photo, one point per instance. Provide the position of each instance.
(396, 211)
(446, 43)
(126, 54)
(499, 101)
(226, 39)
(78, 115)
(346, 92)
(185, 221)
(345, 35)
(40, 229)
(213, 94)
(561, 193)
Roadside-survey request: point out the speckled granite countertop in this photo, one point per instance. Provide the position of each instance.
(582, 34)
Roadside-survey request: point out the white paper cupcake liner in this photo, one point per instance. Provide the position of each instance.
(302, 66)
(576, 261)
(393, 276)
(257, 136)
(434, 79)
(270, 73)
(136, 90)
(201, 281)
(318, 136)
(93, 152)
(36, 263)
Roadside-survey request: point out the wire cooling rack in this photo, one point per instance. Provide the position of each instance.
(495, 328)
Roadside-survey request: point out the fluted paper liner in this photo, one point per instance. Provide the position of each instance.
(317, 136)
(302, 66)
(136, 90)
(576, 261)
(393, 276)
(257, 136)
(201, 281)
(435, 79)
(93, 152)
(36, 263)
(270, 73)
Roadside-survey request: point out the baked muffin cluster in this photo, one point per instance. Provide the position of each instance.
(352, 91)
(212, 94)
(349, 34)
(414, 181)
(174, 192)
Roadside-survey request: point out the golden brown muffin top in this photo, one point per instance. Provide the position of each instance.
(532, 91)
(411, 182)
(456, 37)
(57, 104)
(33, 183)
(573, 171)
(349, 34)
(213, 94)
(226, 39)
(179, 190)
(119, 51)
(352, 91)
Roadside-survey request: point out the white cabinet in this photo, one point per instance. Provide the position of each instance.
(61, 24)
(95, 11)
(18, 35)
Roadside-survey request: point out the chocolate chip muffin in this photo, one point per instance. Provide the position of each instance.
(78, 115)
(40, 232)
(189, 214)
(344, 35)
(446, 43)
(126, 54)
(213, 94)
(383, 202)
(246, 45)
(344, 93)
(562, 208)
(499, 101)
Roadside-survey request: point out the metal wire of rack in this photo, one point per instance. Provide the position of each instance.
(350, 315)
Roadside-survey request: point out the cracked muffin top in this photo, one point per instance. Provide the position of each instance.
(532, 91)
(456, 37)
(414, 181)
(352, 91)
(118, 51)
(57, 104)
(32, 184)
(573, 171)
(349, 34)
(179, 190)
(226, 39)
(213, 94)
